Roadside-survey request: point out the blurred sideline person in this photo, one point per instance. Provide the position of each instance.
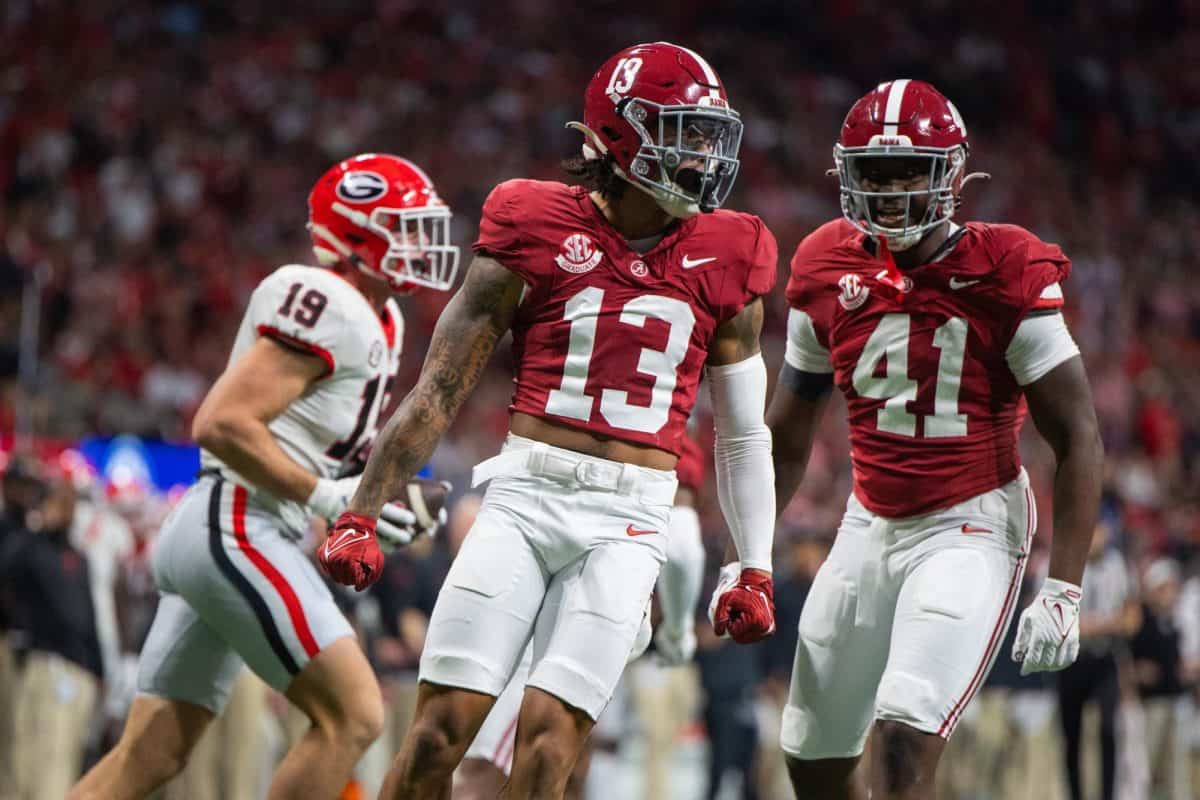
(618, 294)
(59, 681)
(937, 335)
(310, 369)
(21, 491)
(103, 536)
(1109, 616)
(1188, 621)
(135, 600)
(488, 762)
(1158, 669)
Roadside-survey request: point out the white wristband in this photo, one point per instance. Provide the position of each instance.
(330, 497)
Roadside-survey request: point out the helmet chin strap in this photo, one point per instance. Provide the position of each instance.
(677, 207)
(898, 244)
(341, 252)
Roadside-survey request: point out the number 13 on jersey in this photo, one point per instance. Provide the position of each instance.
(570, 399)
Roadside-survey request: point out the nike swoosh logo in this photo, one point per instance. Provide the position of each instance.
(689, 263)
(632, 531)
(972, 529)
(1062, 620)
(348, 538)
(955, 283)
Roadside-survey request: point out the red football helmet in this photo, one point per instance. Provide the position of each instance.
(382, 214)
(910, 120)
(661, 112)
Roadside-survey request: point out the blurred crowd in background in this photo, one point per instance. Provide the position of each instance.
(154, 164)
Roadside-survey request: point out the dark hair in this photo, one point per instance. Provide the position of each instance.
(597, 174)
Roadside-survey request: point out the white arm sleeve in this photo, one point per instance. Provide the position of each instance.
(681, 577)
(1041, 343)
(745, 474)
(804, 352)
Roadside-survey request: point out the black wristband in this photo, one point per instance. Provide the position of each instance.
(808, 385)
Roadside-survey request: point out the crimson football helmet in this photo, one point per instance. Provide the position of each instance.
(661, 112)
(382, 214)
(911, 120)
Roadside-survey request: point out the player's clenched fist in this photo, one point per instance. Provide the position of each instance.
(746, 609)
(351, 554)
(1048, 631)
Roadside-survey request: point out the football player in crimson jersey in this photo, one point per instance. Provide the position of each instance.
(488, 761)
(618, 293)
(938, 335)
(311, 367)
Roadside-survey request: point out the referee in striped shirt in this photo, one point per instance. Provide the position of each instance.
(1108, 616)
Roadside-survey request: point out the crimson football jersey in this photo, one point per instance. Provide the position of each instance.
(608, 339)
(934, 409)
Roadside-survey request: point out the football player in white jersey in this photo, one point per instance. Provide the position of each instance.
(310, 370)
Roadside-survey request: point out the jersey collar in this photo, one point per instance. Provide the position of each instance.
(673, 231)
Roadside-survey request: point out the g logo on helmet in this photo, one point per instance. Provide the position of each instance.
(361, 187)
(577, 254)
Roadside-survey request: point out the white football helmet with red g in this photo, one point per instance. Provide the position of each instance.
(382, 214)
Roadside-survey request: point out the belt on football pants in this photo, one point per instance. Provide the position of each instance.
(576, 469)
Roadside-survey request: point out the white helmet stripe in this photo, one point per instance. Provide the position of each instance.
(891, 114)
(710, 76)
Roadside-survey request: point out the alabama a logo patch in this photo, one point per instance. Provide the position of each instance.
(578, 254)
(854, 294)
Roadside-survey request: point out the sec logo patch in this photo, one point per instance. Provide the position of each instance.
(577, 254)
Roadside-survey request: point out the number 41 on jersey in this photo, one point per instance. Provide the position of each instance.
(891, 339)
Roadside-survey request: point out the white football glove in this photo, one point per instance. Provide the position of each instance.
(399, 523)
(396, 527)
(727, 578)
(675, 648)
(1048, 630)
(330, 496)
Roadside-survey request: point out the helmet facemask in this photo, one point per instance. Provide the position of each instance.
(945, 179)
(691, 163)
(419, 250)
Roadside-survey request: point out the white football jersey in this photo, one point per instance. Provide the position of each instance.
(314, 309)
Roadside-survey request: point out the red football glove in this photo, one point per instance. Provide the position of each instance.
(747, 610)
(351, 554)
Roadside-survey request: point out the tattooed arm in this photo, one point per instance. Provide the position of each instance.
(463, 341)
